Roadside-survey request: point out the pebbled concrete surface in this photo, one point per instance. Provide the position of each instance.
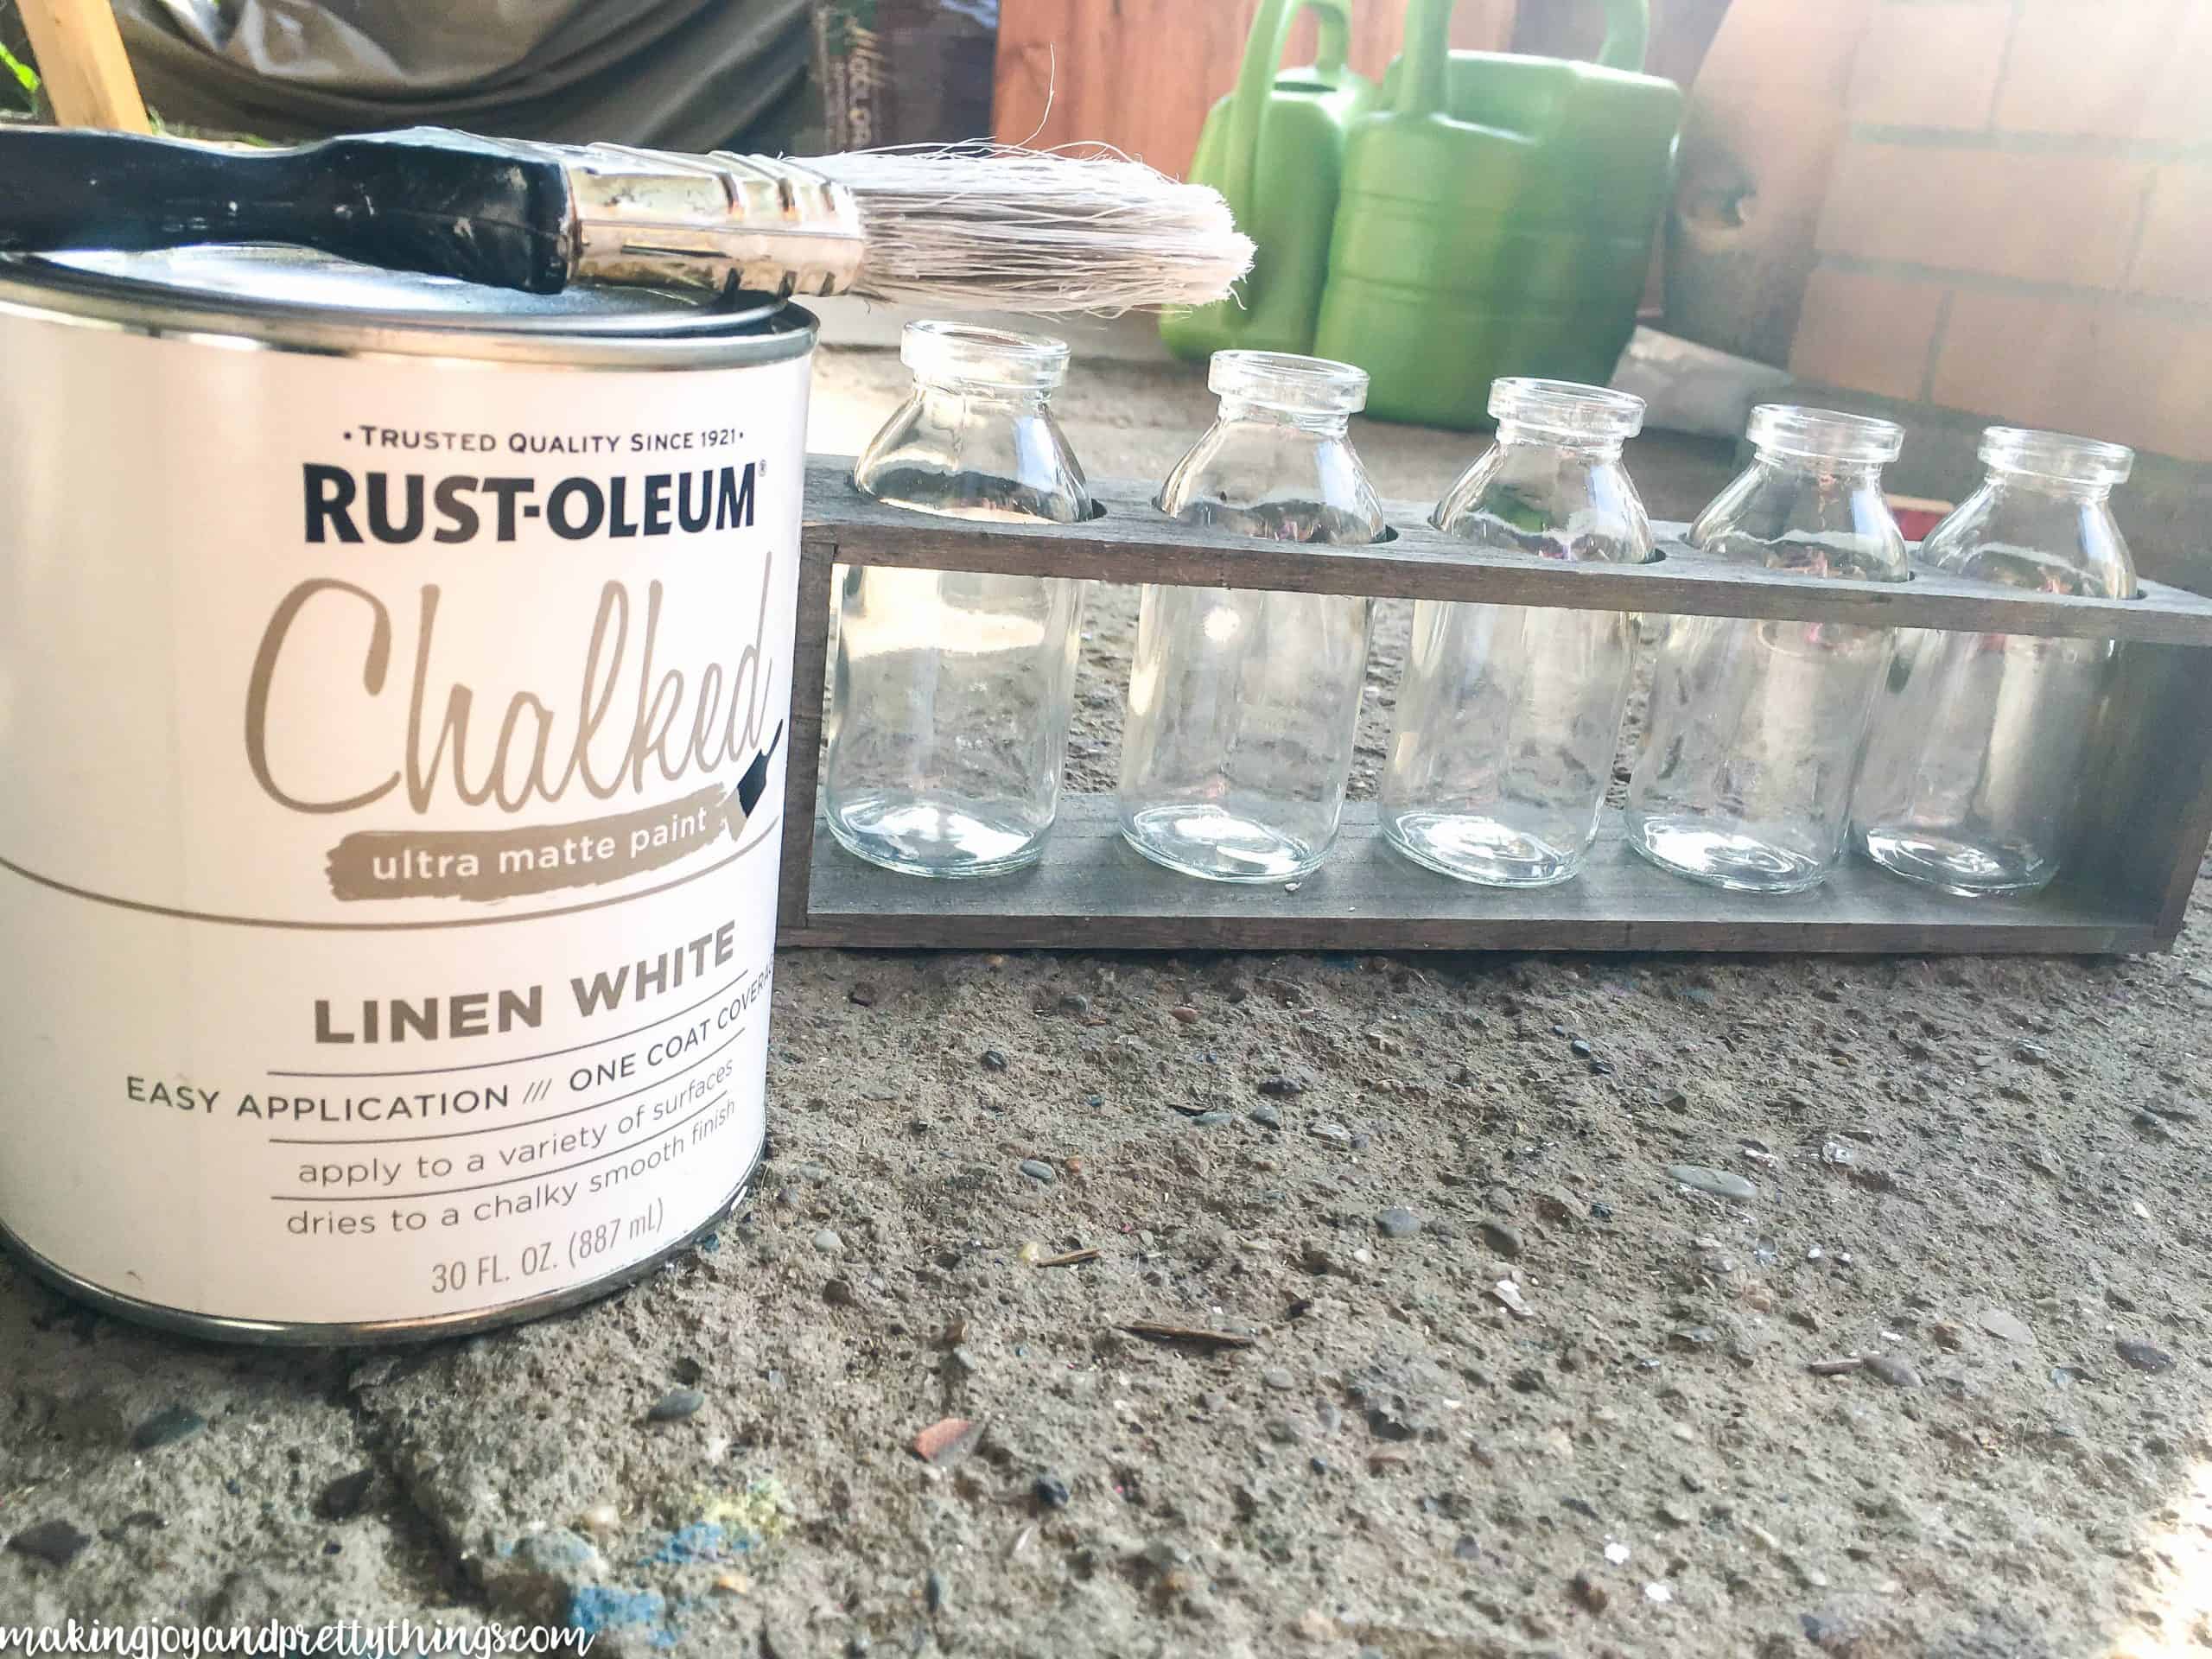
(1991, 1174)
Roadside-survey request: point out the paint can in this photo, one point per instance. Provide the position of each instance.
(394, 680)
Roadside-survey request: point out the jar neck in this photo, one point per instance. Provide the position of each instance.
(1517, 435)
(1322, 424)
(2004, 481)
(1026, 400)
(1865, 474)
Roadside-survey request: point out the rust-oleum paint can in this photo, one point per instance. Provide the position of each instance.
(394, 677)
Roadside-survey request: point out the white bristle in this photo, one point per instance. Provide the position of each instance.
(1026, 230)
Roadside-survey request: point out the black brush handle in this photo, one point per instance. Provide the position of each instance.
(422, 200)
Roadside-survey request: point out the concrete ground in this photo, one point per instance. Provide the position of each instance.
(1535, 1255)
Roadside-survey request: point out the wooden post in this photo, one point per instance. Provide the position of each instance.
(86, 73)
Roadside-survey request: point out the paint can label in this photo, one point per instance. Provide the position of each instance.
(394, 760)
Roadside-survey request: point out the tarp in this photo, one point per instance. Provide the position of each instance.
(674, 74)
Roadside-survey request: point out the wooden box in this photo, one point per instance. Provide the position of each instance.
(2148, 814)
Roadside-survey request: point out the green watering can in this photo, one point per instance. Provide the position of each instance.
(1274, 148)
(1494, 218)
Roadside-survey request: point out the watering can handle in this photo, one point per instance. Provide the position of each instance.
(1627, 33)
(1262, 54)
(1428, 48)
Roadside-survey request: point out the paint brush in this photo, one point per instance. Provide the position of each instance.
(977, 227)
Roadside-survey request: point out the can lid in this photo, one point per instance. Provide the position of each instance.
(275, 282)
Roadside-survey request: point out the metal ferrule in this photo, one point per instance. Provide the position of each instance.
(716, 221)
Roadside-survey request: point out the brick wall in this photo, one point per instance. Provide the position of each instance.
(2019, 222)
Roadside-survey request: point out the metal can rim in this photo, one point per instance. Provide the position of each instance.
(771, 331)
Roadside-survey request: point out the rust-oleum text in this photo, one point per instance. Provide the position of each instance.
(402, 507)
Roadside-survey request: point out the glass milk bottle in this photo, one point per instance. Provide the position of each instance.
(1243, 705)
(1509, 717)
(1743, 777)
(1974, 764)
(951, 692)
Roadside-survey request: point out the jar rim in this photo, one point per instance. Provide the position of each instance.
(1288, 381)
(1823, 434)
(991, 357)
(2054, 454)
(1567, 407)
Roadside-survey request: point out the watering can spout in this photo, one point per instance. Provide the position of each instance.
(1275, 148)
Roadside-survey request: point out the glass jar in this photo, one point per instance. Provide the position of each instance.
(1243, 705)
(1508, 717)
(1973, 764)
(951, 692)
(1742, 776)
